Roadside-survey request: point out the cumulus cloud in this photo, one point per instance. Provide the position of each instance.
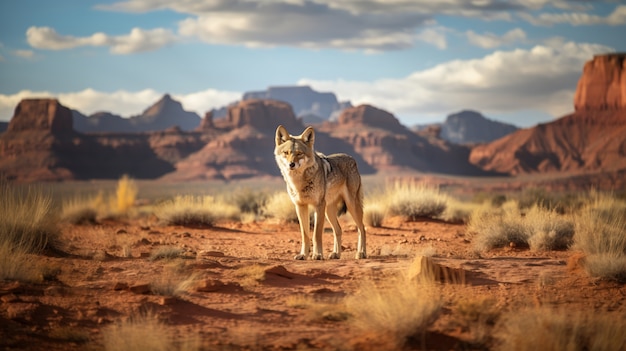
(615, 18)
(138, 40)
(542, 78)
(124, 103)
(490, 40)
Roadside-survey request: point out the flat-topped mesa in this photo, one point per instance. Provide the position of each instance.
(602, 85)
(370, 116)
(42, 115)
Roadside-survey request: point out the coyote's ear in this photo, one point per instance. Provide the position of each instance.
(282, 135)
(308, 136)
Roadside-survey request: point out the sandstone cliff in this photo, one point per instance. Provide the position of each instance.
(592, 139)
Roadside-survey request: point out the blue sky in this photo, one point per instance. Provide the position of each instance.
(514, 61)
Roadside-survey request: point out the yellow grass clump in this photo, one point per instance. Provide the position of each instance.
(396, 309)
(191, 210)
(144, 333)
(125, 195)
(539, 228)
(601, 235)
(28, 222)
(414, 200)
(280, 207)
(550, 329)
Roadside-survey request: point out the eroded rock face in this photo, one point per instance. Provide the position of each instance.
(262, 115)
(591, 139)
(371, 116)
(602, 85)
(42, 115)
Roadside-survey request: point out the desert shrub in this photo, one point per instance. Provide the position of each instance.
(125, 195)
(539, 228)
(551, 329)
(497, 227)
(374, 214)
(601, 234)
(415, 201)
(83, 210)
(458, 211)
(395, 309)
(144, 333)
(173, 282)
(248, 200)
(28, 222)
(548, 230)
(188, 210)
(280, 207)
(16, 264)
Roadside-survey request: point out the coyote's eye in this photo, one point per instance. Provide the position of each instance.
(286, 153)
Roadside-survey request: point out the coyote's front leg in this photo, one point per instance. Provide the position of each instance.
(303, 217)
(318, 230)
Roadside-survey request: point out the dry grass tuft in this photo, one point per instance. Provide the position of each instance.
(280, 207)
(539, 228)
(125, 195)
(415, 201)
(174, 281)
(552, 329)
(28, 222)
(196, 211)
(83, 210)
(166, 252)
(394, 310)
(16, 264)
(374, 214)
(601, 235)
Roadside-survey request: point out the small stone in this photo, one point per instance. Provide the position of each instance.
(141, 289)
(120, 286)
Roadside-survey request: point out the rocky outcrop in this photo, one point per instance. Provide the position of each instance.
(163, 114)
(602, 85)
(386, 145)
(45, 115)
(244, 147)
(305, 102)
(264, 115)
(468, 127)
(592, 139)
(40, 144)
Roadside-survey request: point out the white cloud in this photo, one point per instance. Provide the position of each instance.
(490, 40)
(27, 54)
(121, 102)
(542, 78)
(138, 40)
(615, 18)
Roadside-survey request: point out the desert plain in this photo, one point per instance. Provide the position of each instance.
(135, 282)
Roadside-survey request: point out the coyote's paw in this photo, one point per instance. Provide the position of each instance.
(360, 255)
(299, 257)
(317, 257)
(333, 256)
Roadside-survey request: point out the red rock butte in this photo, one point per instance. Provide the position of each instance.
(602, 85)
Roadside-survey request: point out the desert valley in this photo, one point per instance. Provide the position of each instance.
(167, 231)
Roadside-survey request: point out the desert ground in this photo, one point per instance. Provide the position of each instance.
(134, 282)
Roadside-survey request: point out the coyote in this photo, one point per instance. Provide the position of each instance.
(330, 183)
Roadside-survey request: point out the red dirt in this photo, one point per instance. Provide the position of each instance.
(96, 286)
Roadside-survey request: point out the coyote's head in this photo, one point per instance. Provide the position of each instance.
(294, 152)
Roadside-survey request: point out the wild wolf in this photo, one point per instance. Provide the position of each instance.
(329, 183)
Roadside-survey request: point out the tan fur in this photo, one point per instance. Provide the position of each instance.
(324, 182)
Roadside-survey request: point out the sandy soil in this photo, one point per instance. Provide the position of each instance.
(246, 285)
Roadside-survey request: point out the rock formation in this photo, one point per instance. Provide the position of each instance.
(305, 102)
(467, 127)
(386, 145)
(592, 139)
(602, 85)
(46, 115)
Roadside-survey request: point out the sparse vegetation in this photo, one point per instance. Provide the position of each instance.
(83, 210)
(144, 333)
(601, 235)
(196, 211)
(553, 329)
(280, 207)
(28, 222)
(16, 264)
(125, 195)
(374, 214)
(173, 282)
(539, 228)
(415, 201)
(392, 311)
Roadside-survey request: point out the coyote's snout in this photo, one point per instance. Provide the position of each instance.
(328, 183)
